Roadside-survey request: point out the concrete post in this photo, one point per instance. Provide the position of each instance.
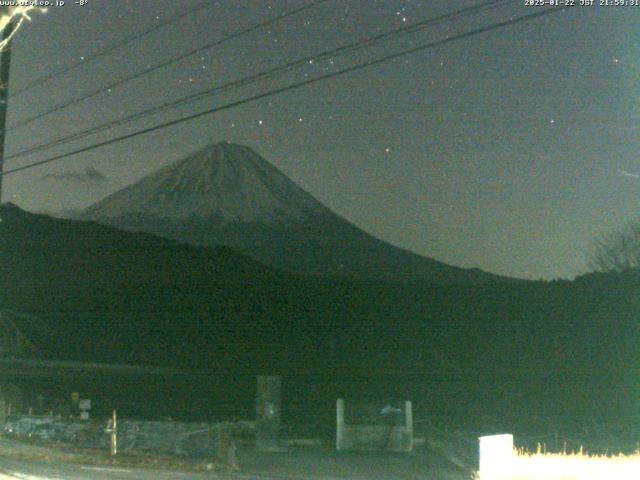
(408, 423)
(340, 424)
(496, 456)
(268, 403)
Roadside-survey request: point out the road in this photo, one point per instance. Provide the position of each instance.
(294, 464)
(11, 469)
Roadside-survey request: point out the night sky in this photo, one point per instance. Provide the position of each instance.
(510, 151)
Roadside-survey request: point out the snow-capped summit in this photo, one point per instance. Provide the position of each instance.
(224, 182)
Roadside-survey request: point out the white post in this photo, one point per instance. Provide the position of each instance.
(496, 456)
(114, 434)
(340, 424)
(408, 423)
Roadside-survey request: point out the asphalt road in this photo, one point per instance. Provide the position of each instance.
(28, 470)
(294, 464)
(11, 469)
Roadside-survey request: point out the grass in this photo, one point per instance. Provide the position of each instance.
(566, 466)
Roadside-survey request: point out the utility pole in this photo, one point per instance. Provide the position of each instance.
(5, 65)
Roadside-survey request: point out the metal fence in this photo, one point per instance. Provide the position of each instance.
(157, 437)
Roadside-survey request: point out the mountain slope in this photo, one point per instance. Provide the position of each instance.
(118, 296)
(227, 194)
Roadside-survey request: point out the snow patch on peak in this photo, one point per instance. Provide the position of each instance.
(223, 181)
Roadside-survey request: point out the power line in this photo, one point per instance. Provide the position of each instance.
(109, 49)
(147, 71)
(296, 85)
(349, 48)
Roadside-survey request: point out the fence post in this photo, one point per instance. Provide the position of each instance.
(268, 404)
(113, 429)
(340, 424)
(4, 410)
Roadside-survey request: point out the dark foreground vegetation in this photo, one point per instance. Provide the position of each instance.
(527, 356)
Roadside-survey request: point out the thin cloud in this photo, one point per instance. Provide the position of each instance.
(90, 175)
(628, 174)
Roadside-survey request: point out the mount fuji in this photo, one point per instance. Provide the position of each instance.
(227, 194)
